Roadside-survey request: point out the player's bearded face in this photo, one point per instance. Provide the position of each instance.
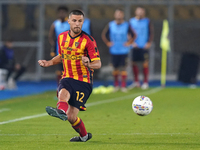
(76, 22)
(140, 12)
(119, 16)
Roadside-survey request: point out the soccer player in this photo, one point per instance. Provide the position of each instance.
(144, 30)
(60, 25)
(118, 36)
(80, 56)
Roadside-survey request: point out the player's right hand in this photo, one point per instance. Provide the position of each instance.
(147, 45)
(85, 61)
(134, 45)
(44, 63)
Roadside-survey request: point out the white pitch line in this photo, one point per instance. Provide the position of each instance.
(101, 134)
(4, 109)
(24, 118)
(155, 90)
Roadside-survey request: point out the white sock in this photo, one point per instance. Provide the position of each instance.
(84, 138)
(62, 110)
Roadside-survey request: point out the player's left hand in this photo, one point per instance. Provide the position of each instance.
(127, 44)
(147, 45)
(85, 61)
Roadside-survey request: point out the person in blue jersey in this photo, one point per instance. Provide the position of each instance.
(87, 26)
(58, 26)
(118, 36)
(143, 28)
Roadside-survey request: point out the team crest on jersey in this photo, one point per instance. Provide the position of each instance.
(76, 44)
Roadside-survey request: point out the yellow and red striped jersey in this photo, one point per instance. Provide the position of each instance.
(71, 49)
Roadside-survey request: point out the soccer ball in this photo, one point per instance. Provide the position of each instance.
(142, 105)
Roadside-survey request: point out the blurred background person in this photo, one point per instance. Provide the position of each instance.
(7, 61)
(87, 26)
(140, 52)
(60, 25)
(118, 36)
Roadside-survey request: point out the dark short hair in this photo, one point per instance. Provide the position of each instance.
(119, 9)
(76, 12)
(140, 7)
(62, 8)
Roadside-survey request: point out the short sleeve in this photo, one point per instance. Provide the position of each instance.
(92, 50)
(59, 49)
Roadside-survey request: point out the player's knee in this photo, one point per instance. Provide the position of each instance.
(71, 117)
(63, 95)
(146, 64)
(134, 63)
(123, 73)
(115, 72)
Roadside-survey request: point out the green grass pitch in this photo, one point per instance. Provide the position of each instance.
(174, 123)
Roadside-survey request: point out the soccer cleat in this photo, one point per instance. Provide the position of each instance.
(116, 89)
(56, 113)
(78, 138)
(134, 85)
(145, 86)
(124, 90)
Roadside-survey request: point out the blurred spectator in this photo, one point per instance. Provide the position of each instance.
(144, 31)
(7, 61)
(58, 26)
(118, 36)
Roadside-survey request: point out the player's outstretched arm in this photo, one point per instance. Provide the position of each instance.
(54, 61)
(96, 64)
(44, 63)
